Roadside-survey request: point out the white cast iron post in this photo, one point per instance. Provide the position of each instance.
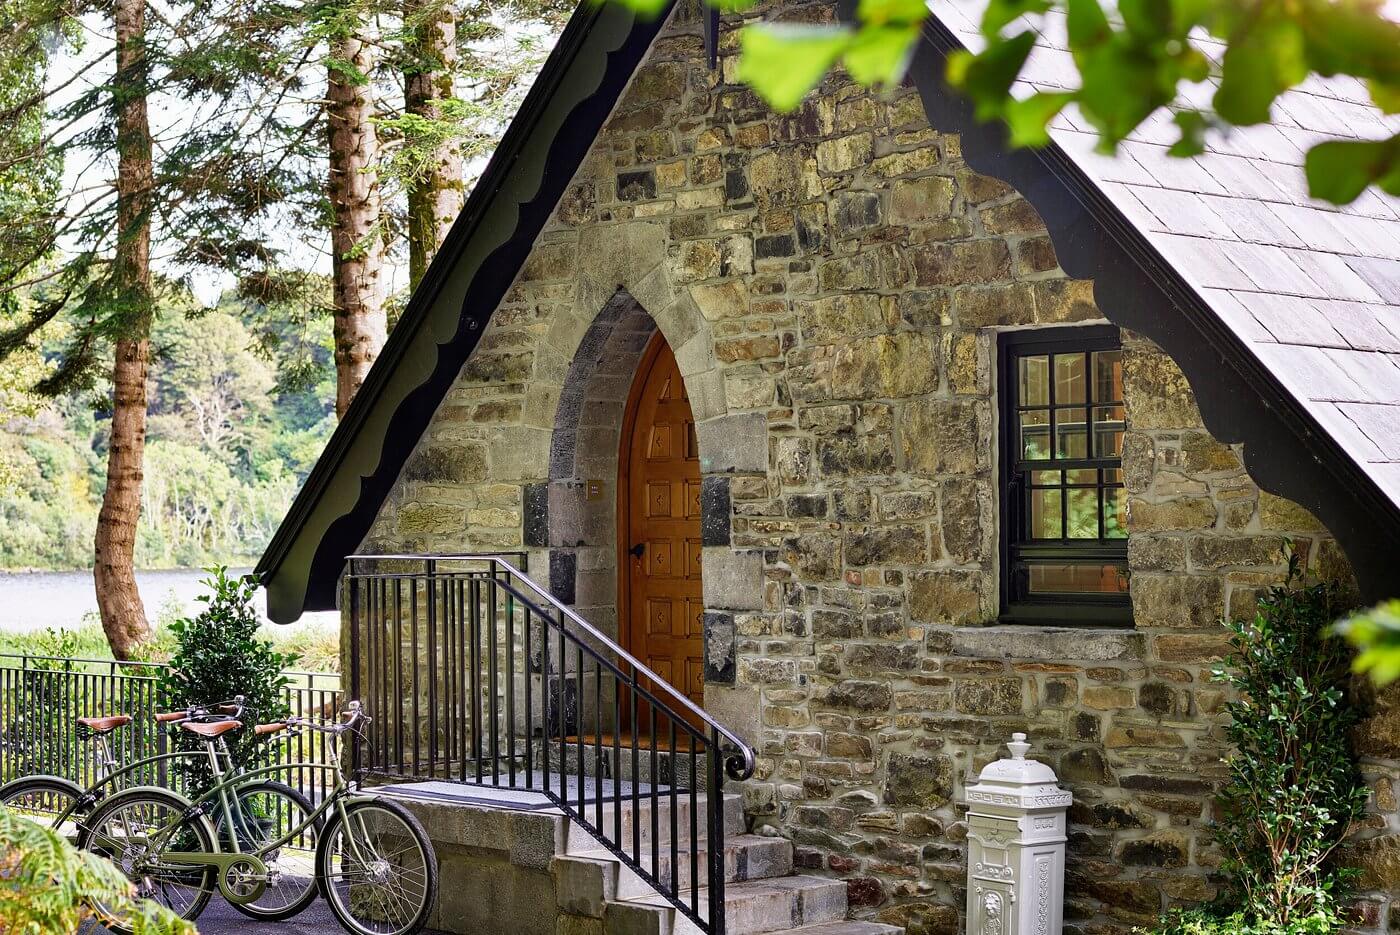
(1016, 847)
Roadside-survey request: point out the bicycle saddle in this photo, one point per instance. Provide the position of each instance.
(103, 725)
(215, 729)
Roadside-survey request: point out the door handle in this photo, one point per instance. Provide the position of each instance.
(637, 550)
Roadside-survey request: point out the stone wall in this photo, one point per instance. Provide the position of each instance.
(831, 282)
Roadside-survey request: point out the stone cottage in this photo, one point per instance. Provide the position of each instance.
(879, 440)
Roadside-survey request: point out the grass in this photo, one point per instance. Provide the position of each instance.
(316, 649)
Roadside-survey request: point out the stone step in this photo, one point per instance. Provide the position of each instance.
(845, 928)
(581, 840)
(586, 880)
(761, 906)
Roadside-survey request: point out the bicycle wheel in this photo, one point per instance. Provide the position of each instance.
(267, 813)
(121, 830)
(377, 868)
(42, 799)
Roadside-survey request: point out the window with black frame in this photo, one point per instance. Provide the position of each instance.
(1064, 516)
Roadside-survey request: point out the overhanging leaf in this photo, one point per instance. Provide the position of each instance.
(782, 62)
(1192, 124)
(1001, 12)
(1339, 170)
(881, 12)
(1087, 24)
(648, 8)
(879, 55)
(1028, 119)
(987, 77)
(1258, 66)
(1385, 96)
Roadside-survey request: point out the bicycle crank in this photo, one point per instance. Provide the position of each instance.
(242, 877)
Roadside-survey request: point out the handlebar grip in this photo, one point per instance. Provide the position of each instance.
(167, 716)
(230, 708)
(270, 728)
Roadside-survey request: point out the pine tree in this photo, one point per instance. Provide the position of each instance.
(356, 221)
(436, 192)
(203, 194)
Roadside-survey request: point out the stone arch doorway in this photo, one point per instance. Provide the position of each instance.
(661, 609)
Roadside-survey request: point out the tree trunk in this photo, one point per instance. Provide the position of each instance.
(435, 199)
(357, 243)
(119, 602)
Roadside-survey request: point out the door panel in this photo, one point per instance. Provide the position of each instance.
(660, 508)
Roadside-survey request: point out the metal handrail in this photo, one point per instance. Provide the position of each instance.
(446, 650)
(739, 771)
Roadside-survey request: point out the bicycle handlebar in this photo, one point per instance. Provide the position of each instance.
(354, 713)
(223, 710)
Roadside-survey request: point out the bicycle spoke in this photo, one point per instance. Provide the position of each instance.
(377, 873)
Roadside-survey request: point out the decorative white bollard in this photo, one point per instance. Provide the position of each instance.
(1016, 847)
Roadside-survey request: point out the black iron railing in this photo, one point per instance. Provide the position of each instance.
(41, 698)
(473, 673)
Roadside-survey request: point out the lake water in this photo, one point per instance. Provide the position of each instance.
(40, 599)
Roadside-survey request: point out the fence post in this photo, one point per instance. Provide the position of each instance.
(1016, 847)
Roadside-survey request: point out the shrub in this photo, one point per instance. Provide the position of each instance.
(46, 884)
(1294, 789)
(218, 655)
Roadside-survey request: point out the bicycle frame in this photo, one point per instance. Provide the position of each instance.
(93, 794)
(225, 792)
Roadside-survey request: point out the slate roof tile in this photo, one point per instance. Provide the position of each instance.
(1375, 374)
(1269, 268)
(1232, 310)
(1361, 326)
(1291, 319)
(1381, 275)
(1381, 424)
(1334, 278)
(1183, 211)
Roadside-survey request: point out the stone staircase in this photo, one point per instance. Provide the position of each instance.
(762, 893)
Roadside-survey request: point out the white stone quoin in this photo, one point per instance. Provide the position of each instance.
(1016, 847)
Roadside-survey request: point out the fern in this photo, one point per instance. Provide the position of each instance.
(47, 885)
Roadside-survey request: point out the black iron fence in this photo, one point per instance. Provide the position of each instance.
(41, 698)
(475, 674)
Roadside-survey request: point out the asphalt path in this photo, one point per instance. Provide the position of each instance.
(221, 919)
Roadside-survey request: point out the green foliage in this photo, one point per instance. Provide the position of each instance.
(1294, 789)
(1326, 920)
(46, 884)
(317, 649)
(218, 655)
(1132, 58)
(1376, 635)
(231, 432)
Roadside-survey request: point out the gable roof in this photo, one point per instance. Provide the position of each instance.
(1312, 289)
(1170, 244)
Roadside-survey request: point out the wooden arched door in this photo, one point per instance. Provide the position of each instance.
(660, 602)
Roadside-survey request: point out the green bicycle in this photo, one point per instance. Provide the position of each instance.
(372, 861)
(255, 820)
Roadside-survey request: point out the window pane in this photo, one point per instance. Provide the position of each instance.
(1035, 381)
(1108, 431)
(1045, 478)
(1071, 433)
(1078, 579)
(1083, 513)
(1113, 476)
(1082, 477)
(1069, 379)
(1045, 514)
(1035, 435)
(1115, 513)
(1108, 376)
